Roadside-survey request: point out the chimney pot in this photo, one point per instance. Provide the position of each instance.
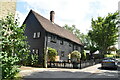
(52, 13)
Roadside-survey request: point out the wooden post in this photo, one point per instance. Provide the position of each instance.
(64, 64)
(50, 64)
(80, 64)
(45, 57)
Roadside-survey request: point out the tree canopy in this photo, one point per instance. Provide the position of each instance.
(74, 30)
(105, 31)
(84, 38)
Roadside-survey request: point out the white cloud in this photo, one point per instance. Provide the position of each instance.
(77, 12)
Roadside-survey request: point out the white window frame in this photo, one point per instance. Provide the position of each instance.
(35, 51)
(36, 35)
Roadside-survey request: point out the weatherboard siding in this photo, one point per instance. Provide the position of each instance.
(32, 26)
(64, 48)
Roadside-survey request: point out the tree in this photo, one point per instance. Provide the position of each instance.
(89, 44)
(104, 31)
(75, 31)
(84, 55)
(14, 48)
(84, 39)
(111, 48)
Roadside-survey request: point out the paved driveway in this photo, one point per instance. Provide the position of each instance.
(89, 72)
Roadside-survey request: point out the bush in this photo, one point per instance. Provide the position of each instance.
(14, 47)
(33, 60)
(84, 55)
(52, 53)
(118, 51)
(117, 56)
(75, 55)
(109, 55)
(8, 65)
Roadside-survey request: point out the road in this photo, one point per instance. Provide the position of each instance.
(89, 72)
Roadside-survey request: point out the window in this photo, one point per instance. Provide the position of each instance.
(53, 38)
(36, 35)
(35, 51)
(62, 53)
(61, 42)
(76, 47)
(70, 44)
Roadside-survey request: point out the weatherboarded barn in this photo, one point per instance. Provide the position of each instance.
(42, 33)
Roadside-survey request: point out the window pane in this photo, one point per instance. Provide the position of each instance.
(38, 34)
(34, 36)
(33, 51)
(37, 51)
(53, 38)
(62, 53)
(61, 42)
(70, 44)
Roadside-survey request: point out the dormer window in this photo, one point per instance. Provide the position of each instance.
(36, 35)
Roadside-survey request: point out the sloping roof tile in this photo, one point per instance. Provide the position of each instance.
(56, 29)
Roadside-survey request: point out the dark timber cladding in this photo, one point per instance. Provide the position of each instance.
(43, 33)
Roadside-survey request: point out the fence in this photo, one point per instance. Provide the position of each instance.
(79, 65)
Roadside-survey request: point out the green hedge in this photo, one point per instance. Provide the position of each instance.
(75, 55)
(52, 53)
(112, 55)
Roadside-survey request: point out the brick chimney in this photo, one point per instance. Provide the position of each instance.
(52, 13)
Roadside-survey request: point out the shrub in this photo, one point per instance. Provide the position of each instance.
(75, 55)
(117, 56)
(33, 60)
(118, 51)
(14, 47)
(9, 69)
(98, 56)
(84, 55)
(110, 55)
(52, 53)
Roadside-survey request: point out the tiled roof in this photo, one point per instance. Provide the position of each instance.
(56, 29)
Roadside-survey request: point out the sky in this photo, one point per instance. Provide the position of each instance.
(70, 12)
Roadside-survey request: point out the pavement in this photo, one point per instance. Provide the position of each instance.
(89, 72)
